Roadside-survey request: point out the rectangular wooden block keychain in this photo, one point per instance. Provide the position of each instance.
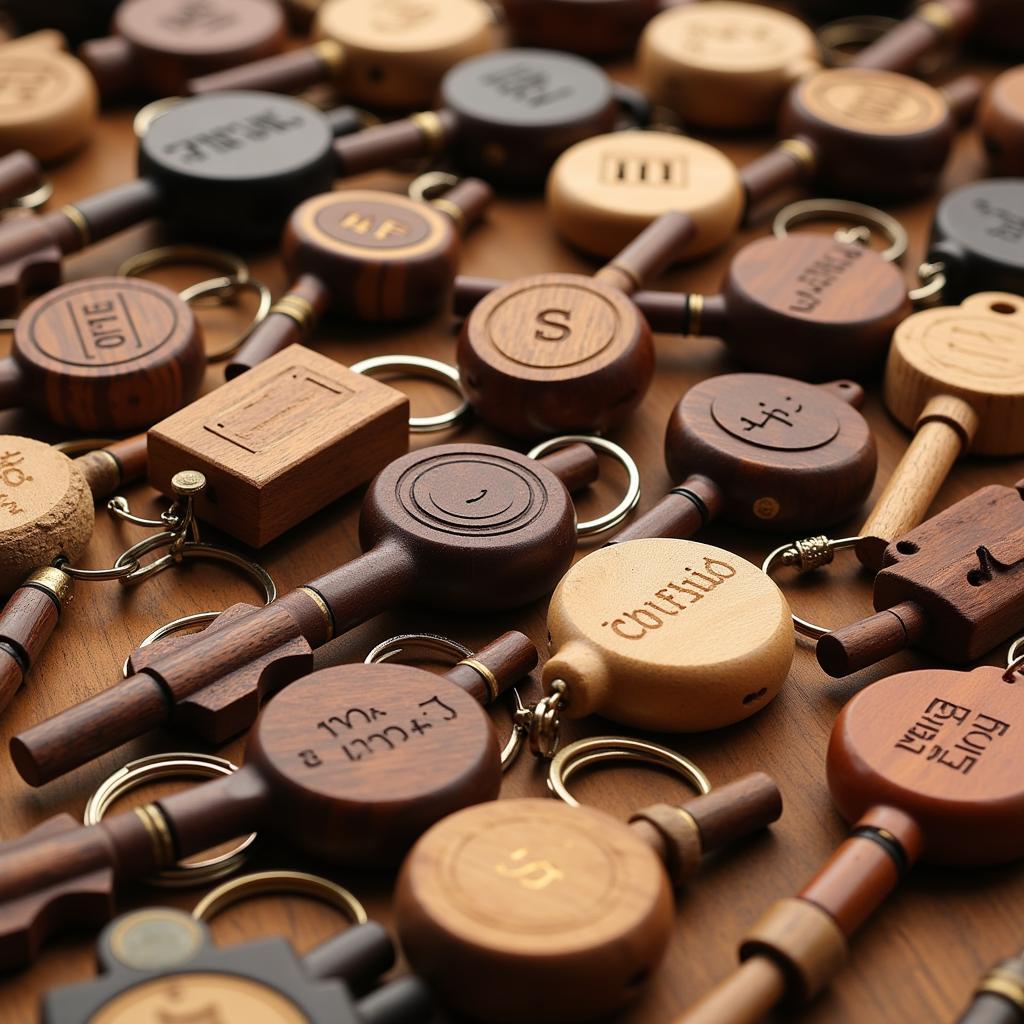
(280, 442)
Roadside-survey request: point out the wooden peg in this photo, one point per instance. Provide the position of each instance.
(1001, 122)
(595, 27)
(955, 376)
(923, 31)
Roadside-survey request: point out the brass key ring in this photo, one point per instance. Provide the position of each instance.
(382, 367)
(859, 214)
(596, 750)
(32, 200)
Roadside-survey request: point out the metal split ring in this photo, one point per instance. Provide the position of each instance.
(1014, 660)
(805, 556)
(280, 883)
(32, 200)
(228, 286)
(171, 766)
(424, 369)
(431, 184)
(602, 749)
(437, 648)
(146, 115)
(611, 519)
(857, 213)
(933, 283)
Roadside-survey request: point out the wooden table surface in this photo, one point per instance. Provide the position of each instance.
(916, 961)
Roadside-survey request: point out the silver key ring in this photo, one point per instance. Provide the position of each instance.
(424, 369)
(1014, 659)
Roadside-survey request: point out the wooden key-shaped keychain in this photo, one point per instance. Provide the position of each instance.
(999, 997)
(955, 376)
(461, 526)
(921, 764)
(506, 900)
(598, 28)
(1001, 122)
(159, 964)
(375, 754)
(369, 254)
(155, 46)
(224, 166)
(380, 53)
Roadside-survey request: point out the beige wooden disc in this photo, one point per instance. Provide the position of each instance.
(396, 51)
(974, 351)
(604, 191)
(724, 65)
(668, 635)
(45, 508)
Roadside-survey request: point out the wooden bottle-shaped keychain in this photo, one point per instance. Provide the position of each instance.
(921, 764)
(373, 754)
(955, 376)
(533, 910)
(435, 524)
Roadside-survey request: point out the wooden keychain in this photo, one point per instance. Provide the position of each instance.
(48, 100)
(434, 524)
(162, 964)
(1001, 122)
(596, 28)
(955, 376)
(534, 910)
(155, 46)
(921, 764)
(380, 53)
(375, 754)
(999, 997)
(20, 176)
(374, 255)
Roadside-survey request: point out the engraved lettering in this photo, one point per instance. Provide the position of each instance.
(534, 875)
(198, 16)
(310, 758)
(232, 136)
(526, 84)
(550, 318)
(1008, 226)
(386, 227)
(773, 415)
(618, 627)
(634, 169)
(815, 279)
(947, 735)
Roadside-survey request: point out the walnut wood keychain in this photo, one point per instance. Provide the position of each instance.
(592, 27)
(435, 524)
(999, 998)
(921, 763)
(162, 964)
(380, 53)
(533, 910)
(374, 255)
(955, 376)
(1001, 122)
(104, 354)
(374, 753)
(155, 46)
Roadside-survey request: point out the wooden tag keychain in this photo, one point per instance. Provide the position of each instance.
(921, 764)
(596, 28)
(955, 376)
(373, 255)
(379, 53)
(162, 964)
(434, 525)
(531, 909)
(155, 46)
(1001, 122)
(48, 101)
(375, 754)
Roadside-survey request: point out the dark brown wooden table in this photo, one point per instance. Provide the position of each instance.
(916, 962)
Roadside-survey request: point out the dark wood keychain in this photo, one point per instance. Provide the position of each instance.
(506, 900)
(597, 28)
(375, 754)
(155, 46)
(377, 256)
(104, 354)
(462, 526)
(921, 764)
(999, 997)
(379, 53)
(159, 964)
(1001, 122)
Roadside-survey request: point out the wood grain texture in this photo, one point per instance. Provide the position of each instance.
(26, 622)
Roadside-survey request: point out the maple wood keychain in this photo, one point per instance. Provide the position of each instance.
(999, 998)
(374, 255)
(434, 524)
(534, 910)
(155, 46)
(921, 764)
(48, 102)
(592, 27)
(381, 53)
(1001, 122)
(374, 753)
(955, 376)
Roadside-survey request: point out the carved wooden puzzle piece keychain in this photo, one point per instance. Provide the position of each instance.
(530, 909)
(379, 53)
(374, 754)
(921, 764)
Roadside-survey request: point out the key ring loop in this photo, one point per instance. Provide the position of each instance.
(596, 750)
(804, 556)
(227, 288)
(146, 115)
(431, 185)
(438, 648)
(611, 519)
(857, 213)
(32, 200)
(145, 770)
(227, 263)
(422, 368)
(933, 283)
(1014, 660)
(279, 883)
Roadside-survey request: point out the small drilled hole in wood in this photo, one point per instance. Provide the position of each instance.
(976, 577)
(907, 547)
(1006, 308)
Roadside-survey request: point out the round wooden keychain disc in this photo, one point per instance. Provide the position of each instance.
(670, 635)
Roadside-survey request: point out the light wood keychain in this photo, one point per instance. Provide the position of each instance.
(955, 376)
(380, 53)
(1001, 122)
(921, 764)
(534, 910)
(375, 754)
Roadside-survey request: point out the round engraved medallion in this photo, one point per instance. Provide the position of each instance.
(391, 26)
(777, 415)
(198, 29)
(372, 225)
